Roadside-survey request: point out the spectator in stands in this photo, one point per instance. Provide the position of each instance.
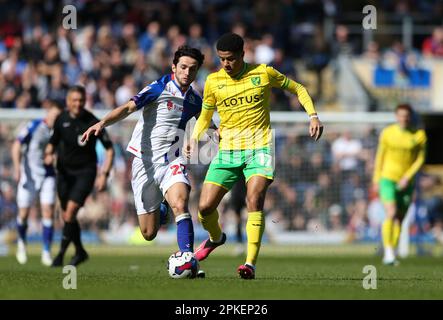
(342, 44)
(318, 57)
(433, 46)
(433, 202)
(346, 151)
(8, 205)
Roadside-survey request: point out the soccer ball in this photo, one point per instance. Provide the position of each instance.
(182, 265)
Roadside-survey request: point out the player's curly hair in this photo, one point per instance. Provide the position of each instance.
(230, 42)
(188, 52)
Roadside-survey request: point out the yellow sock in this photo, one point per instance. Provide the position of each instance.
(210, 223)
(254, 231)
(386, 232)
(396, 229)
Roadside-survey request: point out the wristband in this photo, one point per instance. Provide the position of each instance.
(312, 116)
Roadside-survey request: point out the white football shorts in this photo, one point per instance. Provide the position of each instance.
(151, 182)
(29, 187)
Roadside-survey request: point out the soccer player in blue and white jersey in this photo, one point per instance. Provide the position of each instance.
(158, 168)
(35, 179)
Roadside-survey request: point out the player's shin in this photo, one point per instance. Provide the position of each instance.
(255, 227)
(210, 223)
(185, 232)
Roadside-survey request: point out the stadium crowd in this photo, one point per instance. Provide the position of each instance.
(120, 46)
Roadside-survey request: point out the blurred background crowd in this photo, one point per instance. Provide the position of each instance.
(120, 46)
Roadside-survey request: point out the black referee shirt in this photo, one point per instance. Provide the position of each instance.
(72, 154)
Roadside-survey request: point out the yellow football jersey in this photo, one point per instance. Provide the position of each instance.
(243, 104)
(400, 153)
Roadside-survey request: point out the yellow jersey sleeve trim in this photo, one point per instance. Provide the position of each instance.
(208, 107)
(285, 84)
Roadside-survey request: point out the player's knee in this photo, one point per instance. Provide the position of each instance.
(180, 205)
(254, 201)
(205, 208)
(149, 235)
(68, 216)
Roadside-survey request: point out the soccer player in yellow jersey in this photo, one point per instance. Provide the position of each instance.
(400, 154)
(240, 93)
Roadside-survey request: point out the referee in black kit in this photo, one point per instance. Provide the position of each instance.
(76, 168)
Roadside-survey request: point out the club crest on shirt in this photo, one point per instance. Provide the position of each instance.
(171, 106)
(79, 141)
(255, 81)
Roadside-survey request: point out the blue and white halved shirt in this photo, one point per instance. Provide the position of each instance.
(159, 132)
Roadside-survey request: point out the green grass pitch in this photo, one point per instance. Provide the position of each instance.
(284, 273)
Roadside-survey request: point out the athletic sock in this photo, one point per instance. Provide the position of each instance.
(185, 232)
(386, 232)
(48, 232)
(255, 227)
(76, 237)
(396, 230)
(66, 236)
(22, 227)
(210, 223)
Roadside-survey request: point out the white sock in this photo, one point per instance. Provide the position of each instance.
(47, 222)
(182, 216)
(20, 244)
(250, 265)
(389, 254)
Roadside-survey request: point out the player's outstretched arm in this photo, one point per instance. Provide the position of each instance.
(416, 165)
(16, 159)
(279, 80)
(112, 117)
(202, 124)
(106, 169)
(49, 154)
(315, 125)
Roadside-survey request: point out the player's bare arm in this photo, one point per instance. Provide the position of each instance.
(202, 124)
(49, 154)
(106, 169)
(112, 117)
(16, 158)
(403, 183)
(189, 148)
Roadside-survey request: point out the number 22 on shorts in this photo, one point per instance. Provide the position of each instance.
(177, 169)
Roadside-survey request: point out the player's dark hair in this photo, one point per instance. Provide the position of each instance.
(187, 51)
(404, 106)
(53, 103)
(230, 42)
(79, 89)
